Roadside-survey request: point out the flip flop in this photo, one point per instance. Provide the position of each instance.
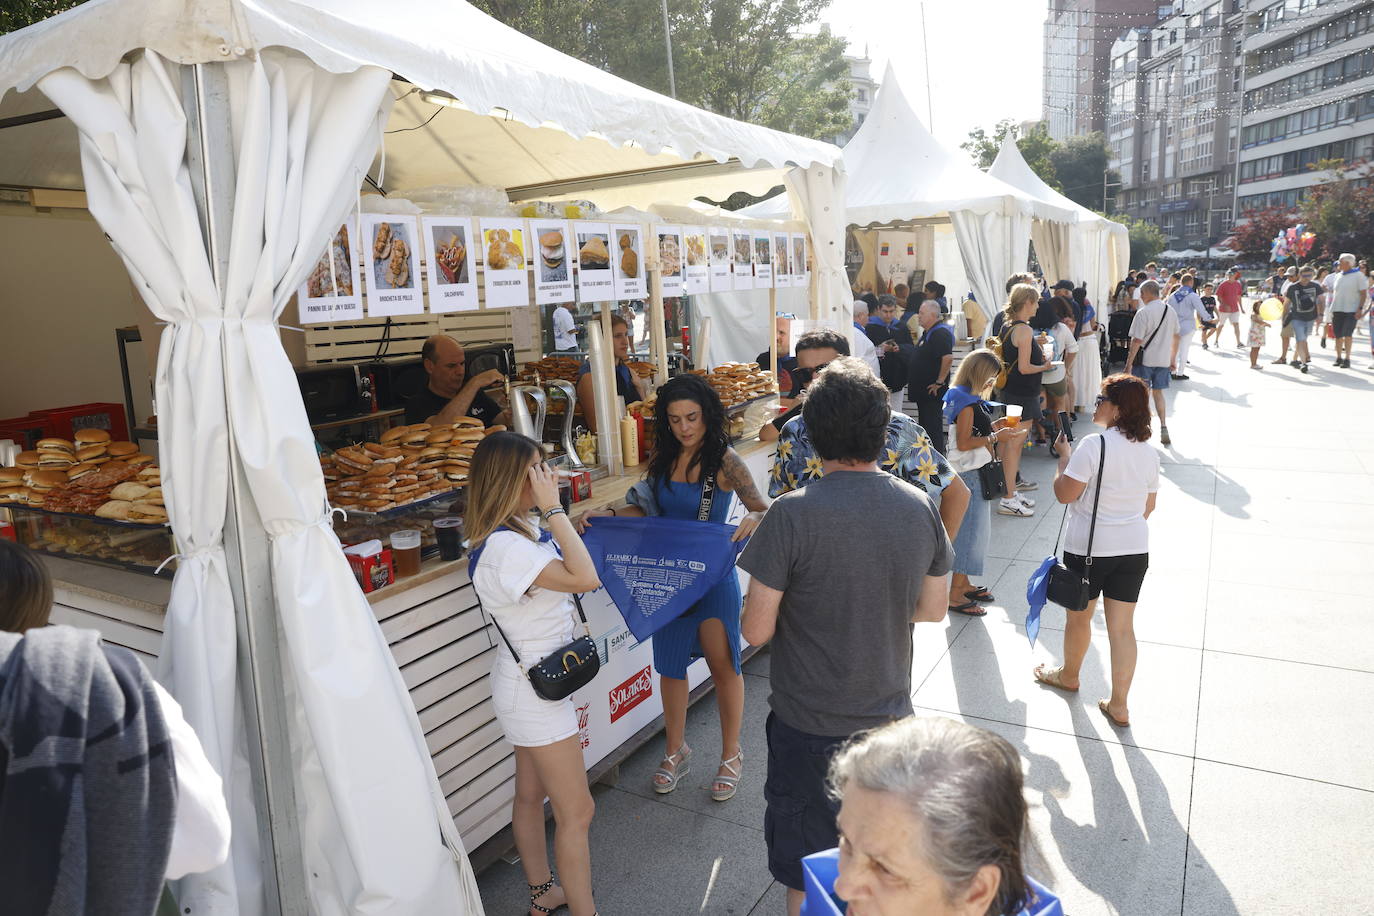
(1050, 677)
(978, 594)
(968, 609)
(1102, 705)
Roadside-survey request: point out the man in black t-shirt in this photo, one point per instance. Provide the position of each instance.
(450, 394)
(1301, 309)
(928, 372)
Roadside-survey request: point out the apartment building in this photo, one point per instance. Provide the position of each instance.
(1078, 41)
(864, 88)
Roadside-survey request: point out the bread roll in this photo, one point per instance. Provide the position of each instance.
(117, 509)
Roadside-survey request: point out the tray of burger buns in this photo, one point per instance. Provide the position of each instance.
(739, 384)
(90, 476)
(410, 465)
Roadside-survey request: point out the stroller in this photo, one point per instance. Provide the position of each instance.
(1117, 344)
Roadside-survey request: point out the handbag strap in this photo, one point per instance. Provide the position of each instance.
(1162, 318)
(1092, 525)
(708, 497)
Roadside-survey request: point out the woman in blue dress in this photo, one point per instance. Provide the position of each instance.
(692, 449)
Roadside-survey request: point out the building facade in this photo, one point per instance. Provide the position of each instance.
(863, 89)
(1308, 91)
(1078, 42)
(1173, 119)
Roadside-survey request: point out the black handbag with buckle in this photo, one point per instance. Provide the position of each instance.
(992, 479)
(1067, 588)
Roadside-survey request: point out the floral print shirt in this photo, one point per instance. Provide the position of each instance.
(908, 455)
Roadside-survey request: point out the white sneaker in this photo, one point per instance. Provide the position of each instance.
(1014, 507)
(1025, 500)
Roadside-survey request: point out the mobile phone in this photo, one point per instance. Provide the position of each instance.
(1064, 425)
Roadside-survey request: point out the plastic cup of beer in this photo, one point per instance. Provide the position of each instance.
(448, 531)
(405, 550)
(1013, 415)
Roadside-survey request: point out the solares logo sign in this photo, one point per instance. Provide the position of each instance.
(631, 693)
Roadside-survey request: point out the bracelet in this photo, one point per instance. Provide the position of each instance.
(556, 510)
(613, 512)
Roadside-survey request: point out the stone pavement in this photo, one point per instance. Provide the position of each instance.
(1245, 784)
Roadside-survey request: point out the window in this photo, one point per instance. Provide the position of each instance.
(861, 95)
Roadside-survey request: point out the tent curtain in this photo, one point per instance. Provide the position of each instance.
(993, 246)
(1052, 247)
(375, 832)
(817, 195)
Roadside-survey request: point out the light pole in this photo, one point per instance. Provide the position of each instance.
(668, 44)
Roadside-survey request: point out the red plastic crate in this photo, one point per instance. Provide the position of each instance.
(64, 422)
(25, 431)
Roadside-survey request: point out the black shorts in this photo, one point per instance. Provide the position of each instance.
(1029, 404)
(1119, 578)
(1343, 324)
(800, 817)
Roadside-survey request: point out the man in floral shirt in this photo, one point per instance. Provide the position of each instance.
(908, 456)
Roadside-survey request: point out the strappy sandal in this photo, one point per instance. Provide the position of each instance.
(673, 776)
(539, 890)
(1053, 677)
(730, 782)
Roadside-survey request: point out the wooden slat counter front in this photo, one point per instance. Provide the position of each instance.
(444, 647)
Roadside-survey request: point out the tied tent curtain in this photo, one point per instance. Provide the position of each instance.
(1053, 247)
(818, 198)
(376, 836)
(993, 245)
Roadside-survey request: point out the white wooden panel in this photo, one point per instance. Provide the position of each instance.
(440, 634)
(453, 705)
(497, 754)
(138, 616)
(460, 726)
(480, 830)
(435, 663)
(418, 594)
(140, 639)
(477, 787)
(474, 670)
(478, 742)
(497, 800)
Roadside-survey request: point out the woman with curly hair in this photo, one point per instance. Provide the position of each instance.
(692, 464)
(1120, 539)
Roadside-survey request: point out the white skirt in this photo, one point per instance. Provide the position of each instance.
(528, 719)
(1087, 371)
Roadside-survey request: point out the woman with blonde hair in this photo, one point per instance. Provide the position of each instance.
(973, 445)
(525, 580)
(1025, 364)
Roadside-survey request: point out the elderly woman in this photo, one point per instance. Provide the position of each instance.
(932, 821)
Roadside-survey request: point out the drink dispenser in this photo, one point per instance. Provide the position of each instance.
(567, 391)
(520, 411)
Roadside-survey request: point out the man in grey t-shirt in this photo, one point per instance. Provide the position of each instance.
(838, 613)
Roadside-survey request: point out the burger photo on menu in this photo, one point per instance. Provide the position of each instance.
(553, 257)
(391, 250)
(593, 252)
(451, 253)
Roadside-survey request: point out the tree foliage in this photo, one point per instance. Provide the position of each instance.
(1036, 146)
(1081, 166)
(747, 59)
(1254, 234)
(17, 14)
(1340, 213)
(1147, 239)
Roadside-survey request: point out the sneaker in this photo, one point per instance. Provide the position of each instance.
(1024, 484)
(1014, 507)
(1164, 436)
(1303, 368)
(1240, 346)
(1258, 368)
(1205, 347)
(1025, 500)
(1179, 378)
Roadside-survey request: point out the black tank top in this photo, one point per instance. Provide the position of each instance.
(1017, 383)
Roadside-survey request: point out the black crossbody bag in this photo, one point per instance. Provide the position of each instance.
(563, 671)
(992, 478)
(1067, 588)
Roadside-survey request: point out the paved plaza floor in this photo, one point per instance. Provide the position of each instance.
(1244, 784)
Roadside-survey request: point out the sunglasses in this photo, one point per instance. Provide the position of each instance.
(1101, 399)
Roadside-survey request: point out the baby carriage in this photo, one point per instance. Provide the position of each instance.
(1118, 342)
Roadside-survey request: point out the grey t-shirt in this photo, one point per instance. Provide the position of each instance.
(841, 657)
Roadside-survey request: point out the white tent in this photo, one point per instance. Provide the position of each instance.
(1092, 249)
(897, 172)
(220, 143)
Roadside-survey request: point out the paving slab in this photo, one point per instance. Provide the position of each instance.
(1300, 625)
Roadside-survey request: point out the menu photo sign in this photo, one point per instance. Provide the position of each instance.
(801, 261)
(330, 291)
(553, 261)
(763, 260)
(782, 260)
(627, 259)
(721, 256)
(696, 276)
(452, 266)
(743, 252)
(505, 252)
(671, 259)
(392, 263)
(595, 279)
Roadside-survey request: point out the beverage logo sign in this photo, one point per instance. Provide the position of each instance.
(613, 643)
(630, 694)
(583, 721)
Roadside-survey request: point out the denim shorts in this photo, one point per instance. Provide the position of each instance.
(800, 816)
(1157, 377)
(971, 544)
(1301, 329)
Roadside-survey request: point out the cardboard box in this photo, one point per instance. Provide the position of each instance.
(373, 572)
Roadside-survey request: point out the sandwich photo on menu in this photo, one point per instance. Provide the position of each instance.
(593, 253)
(629, 258)
(553, 261)
(391, 256)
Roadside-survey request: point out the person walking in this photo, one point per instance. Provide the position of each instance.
(835, 605)
(928, 372)
(1086, 376)
(1187, 305)
(1026, 365)
(974, 446)
(1349, 301)
(692, 473)
(526, 581)
(1153, 353)
(1114, 474)
(1302, 309)
(1229, 295)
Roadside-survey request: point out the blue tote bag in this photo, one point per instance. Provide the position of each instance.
(656, 568)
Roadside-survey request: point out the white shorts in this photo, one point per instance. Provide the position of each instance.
(1225, 318)
(528, 719)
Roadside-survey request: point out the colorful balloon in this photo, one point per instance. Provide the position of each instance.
(1271, 309)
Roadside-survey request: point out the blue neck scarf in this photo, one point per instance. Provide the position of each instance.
(958, 398)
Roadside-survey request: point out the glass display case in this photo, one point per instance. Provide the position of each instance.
(360, 526)
(123, 545)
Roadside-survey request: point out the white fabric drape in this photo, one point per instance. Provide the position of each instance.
(994, 246)
(1053, 248)
(818, 198)
(375, 832)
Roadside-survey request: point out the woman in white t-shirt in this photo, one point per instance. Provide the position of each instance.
(1120, 547)
(525, 581)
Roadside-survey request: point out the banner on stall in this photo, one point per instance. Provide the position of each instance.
(331, 292)
(696, 276)
(722, 260)
(670, 259)
(595, 280)
(744, 258)
(763, 260)
(553, 262)
(505, 253)
(392, 264)
(452, 266)
(628, 261)
(655, 569)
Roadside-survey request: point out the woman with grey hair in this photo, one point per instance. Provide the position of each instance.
(932, 821)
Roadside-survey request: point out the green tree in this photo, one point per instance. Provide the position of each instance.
(1080, 163)
(1147, 240)
(1037, 148)
(1339, 212)
(17, 14)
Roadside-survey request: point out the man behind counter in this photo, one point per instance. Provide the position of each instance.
(450, 394)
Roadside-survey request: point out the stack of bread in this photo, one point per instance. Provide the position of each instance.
(410, 463)
(552, 367)
(641, 369)
(739, 382)
(87, 476)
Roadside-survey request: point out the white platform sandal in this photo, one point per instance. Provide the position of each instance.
(666, 780)
(735, 766)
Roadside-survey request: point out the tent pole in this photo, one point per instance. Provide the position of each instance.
(658, 335)
(210, 155)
